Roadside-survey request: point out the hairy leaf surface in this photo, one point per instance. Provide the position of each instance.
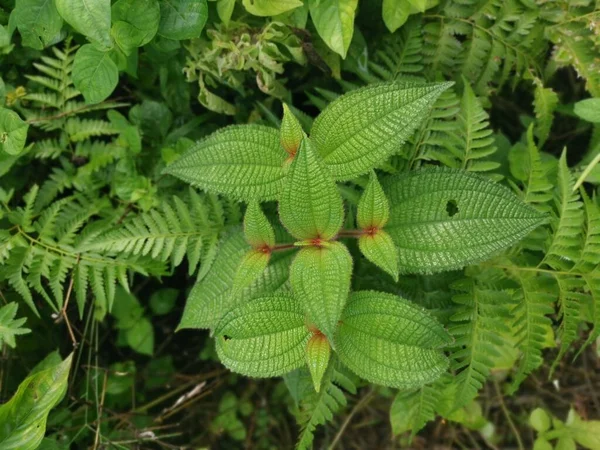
(320, 278)
(310, 206)
(243, 161)
(446, 219)
(389, 341)
(362, 128)
(92, 19)
(379, 248)
(264, 337)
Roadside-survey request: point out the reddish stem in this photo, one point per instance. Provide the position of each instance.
(350, 233)
(282, 247)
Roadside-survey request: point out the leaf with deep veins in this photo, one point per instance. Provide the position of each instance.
(310, 206)
(363, 128)
(257, 229)
(379, 248)
(320, 278)
(389, 341)
(265, 337)
(373, 208)
(318, 352)
(242, 161)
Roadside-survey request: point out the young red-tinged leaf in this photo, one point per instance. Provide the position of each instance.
(252, 266)
(387, 340)
(310, 205)
(361, 129)
(263, 337)
(241, 161)
(291, 131)
(257, 228)
(320, 278)
(379, 248)
(373, 208)
(318, 352)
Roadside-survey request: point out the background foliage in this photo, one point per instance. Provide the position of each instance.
(100, 251)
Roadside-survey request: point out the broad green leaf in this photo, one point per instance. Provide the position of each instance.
(257, 228)
(38, 22)
(318, 352)
(242, 161)
(291, 131)
(334, 21)
(94, 74)
(225, 10)
(585, 432)
(264, 337)
(270, 7)
(444, 219)
(373, 208)
(9, 327)
(419, 5)
(363, 128)
(395, 13)
(539, 420)
(90, 18)
(387, 340)
(251, 267)
(13, 132)
(588, 109)
(163, 301)
(23, 417)
(140, 337)
(310, 206)
(379, 248)
(320, 279)
(135, 22)
(211, 297)
(182, 19)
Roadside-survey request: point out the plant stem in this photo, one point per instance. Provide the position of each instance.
(507, 415)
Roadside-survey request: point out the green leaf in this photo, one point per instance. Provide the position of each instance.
(585, 432)
(211, 297)
(225, 10)
(395, 13)
(270, 7)
(539, 420)
(291, 131)
(243, 161)
(379, 248)
(38, 22)
(334, 21)
(257, 228)
(140, 337)
(320, 278)
(94, 74)
(310, 206)
(387, 340)
(163, 301)
(545, 101)
(90, 18)
(446, 219)
(588, 109)
(363, 128)
(182, 19)
(373, 208)
(9, 327)
(318, 352)
(24, 416)
(135, 22)
(265, 337)
(13, 132)
(252, 266)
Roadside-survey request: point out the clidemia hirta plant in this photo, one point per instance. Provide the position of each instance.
(280, 298)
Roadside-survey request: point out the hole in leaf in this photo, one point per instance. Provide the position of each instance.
(451, 208)
(226, 338)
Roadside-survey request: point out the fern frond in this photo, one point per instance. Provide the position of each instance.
(538, 189)
(531, 324)
(565, 243)
(570, 300)
(589, 258)
(478, 325)
(545, 101)
(319, 408)
(171, 232)
(82, 129)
